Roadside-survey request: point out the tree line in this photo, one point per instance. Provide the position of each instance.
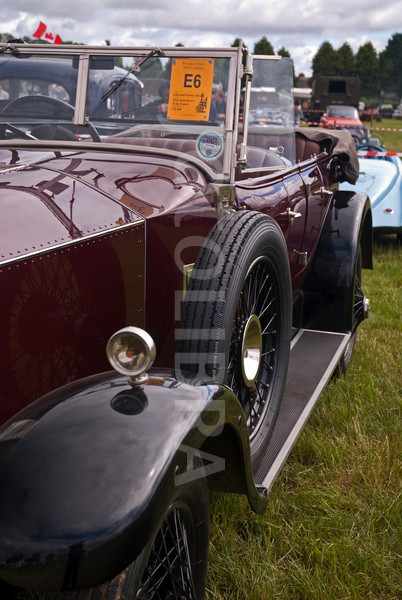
(380, 74)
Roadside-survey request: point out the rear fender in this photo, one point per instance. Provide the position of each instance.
(329, 287)
(87, 477)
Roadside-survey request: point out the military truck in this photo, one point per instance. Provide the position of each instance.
(328, 90)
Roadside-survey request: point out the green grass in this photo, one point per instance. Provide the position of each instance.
(392, 139)
(334, 517)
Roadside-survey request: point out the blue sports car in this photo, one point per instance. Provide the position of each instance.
(380, 177)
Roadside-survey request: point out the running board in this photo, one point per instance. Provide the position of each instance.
(314, 356)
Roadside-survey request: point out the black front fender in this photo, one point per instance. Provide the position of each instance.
(85, 481)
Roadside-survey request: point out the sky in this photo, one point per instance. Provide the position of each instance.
(300, 27)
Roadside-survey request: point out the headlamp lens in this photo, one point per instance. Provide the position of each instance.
(131, 351)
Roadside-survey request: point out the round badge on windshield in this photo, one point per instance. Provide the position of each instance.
(210, 145)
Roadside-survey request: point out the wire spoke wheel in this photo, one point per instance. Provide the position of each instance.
(253, 348)
(360, 312)
(168, 574)
(358, 306)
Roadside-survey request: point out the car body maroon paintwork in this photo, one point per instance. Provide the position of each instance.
(94, 217)
(69, 198)
(108, 220)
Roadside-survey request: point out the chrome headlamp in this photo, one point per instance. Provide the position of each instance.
(131, 351)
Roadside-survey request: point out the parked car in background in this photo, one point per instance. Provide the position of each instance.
(345, 117)
(52, 82)
(397, 114)
(177, 289)
(386, 111)
(380, 177)
(369, 114)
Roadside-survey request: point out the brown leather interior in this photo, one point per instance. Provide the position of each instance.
(256, 156)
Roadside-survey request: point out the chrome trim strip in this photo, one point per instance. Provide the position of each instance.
(135, 51)
(81, 92)
(7, 170)
(75, 241)
(296, 338)
(264, 169)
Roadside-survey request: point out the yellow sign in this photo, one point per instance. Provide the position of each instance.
(191, 89)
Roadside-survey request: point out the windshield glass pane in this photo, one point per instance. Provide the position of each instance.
(343, 112)
(143, 99)
(35, 76)
(271, 108)
(38, 97)
(164, 99)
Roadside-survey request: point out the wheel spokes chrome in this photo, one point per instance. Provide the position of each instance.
(358, 307)
(257, 303)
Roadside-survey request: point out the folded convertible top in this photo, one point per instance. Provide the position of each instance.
(340, 144)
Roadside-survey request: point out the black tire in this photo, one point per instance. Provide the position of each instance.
(240, 287)
(357, 309)
(174, 565)
(9, 592)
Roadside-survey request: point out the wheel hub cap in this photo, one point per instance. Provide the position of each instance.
(251, 350)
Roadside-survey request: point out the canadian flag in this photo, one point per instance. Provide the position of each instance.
(44, 33)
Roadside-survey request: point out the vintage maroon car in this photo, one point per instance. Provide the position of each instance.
(135, 218)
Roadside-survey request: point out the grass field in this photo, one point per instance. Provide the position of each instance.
(331, 530)
(392, 139)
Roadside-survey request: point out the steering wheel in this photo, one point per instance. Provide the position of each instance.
(14, 132)
(40, 106)
(47, 107)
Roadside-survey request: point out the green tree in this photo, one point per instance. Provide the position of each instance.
(387, 80)
(345, 61)
(237, 42)
(284, 52)
(263, 47)
(325, 60)
(391, 66)
(4, 37)
(367, 68)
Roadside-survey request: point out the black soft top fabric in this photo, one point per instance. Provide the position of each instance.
(340, 144)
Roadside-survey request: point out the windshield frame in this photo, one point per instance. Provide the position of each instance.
(83, 53)
(231, 156)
